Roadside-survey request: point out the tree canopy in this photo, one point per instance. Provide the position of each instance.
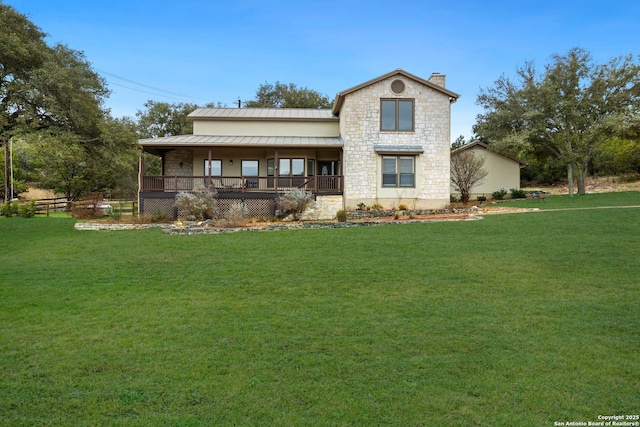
(281, 95)
(52, 100)
(161, 119)
(569, 110)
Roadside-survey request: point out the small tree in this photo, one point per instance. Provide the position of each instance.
(467, 170)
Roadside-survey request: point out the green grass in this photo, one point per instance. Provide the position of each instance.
(629, 198)
(512, 320)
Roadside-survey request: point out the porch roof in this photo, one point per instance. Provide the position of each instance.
(241, 141)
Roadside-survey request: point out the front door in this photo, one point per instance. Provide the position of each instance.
(327, 167)
(326, 171)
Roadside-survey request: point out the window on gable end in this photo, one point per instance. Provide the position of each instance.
(396, 115)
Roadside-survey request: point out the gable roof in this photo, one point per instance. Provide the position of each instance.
(478, 143)
(267, 114)
(337, 104)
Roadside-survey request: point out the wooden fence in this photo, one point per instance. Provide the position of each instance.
(46, 206)
(61, 204)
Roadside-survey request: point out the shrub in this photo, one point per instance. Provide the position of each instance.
(377, 207)
(295, 202)
(27, 209)
(499, 194)
(197, 206)
(24, 210)
(482, 198)
(341, 215)
(403, 207)
(396, 216)
(116, 212)
(87, 207)
(630, 178)
(518, 194)
(361, 206)
(236, 216)
(453, 198)
(158, 216)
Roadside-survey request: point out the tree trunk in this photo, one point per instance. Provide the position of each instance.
(7, 176)
(570, 178)
(582, 175)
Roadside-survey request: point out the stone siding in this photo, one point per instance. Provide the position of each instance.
(325, 207)
(360, 131)
(175, 158)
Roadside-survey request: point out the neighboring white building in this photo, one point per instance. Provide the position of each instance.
(386, 142)
(503, 171)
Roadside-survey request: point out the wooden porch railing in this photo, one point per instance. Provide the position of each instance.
(242, 184)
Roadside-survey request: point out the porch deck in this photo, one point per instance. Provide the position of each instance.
(323, 184)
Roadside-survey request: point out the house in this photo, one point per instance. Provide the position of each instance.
(503, 171)
(385, 142)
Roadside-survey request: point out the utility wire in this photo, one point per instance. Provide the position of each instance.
(152, 93)
(157, 89)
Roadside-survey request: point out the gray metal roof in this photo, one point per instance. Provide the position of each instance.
(398, 148)
(246, 141)
(263, 114)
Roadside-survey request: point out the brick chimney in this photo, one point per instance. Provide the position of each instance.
(438, 79)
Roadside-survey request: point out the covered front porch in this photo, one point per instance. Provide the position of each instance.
(241, 173)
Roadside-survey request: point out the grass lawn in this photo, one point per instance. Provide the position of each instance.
(525, 319)
(629, 198)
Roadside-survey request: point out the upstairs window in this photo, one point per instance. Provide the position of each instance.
(396, 115)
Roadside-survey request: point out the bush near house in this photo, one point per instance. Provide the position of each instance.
(197, 206)
(499, 194)
(295, 202)
(518, 194)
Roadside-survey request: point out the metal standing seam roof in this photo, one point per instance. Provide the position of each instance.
(398, 148)
(263, 114)
(238, 140)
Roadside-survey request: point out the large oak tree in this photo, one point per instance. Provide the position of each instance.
(52, 100)
(569, 110)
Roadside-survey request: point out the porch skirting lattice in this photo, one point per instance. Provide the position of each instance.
(165, 203)
(257, 208)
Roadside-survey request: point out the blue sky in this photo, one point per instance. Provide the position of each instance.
(203, 51)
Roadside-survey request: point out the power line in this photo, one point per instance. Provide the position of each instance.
(157, 89)
(155, 94)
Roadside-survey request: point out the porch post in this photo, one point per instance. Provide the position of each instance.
(341, 170)
(140, 178)
(209, 182)
(276, 171)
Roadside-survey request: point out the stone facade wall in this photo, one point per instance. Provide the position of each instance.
(175, 158)
(325, 207)
(360, 131)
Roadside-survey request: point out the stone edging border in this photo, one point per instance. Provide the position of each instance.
(196, 229)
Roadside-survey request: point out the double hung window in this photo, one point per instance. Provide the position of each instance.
(398, 171)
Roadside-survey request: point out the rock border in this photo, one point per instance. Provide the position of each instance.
(369, 219)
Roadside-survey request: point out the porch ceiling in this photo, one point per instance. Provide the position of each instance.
(240, 141)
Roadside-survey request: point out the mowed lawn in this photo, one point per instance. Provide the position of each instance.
(523, 319)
